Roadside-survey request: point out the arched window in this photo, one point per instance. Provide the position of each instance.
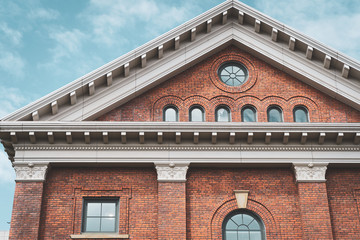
(248, 114)
(170, 114)
(301, 114)
(243, 225)
(196, 114)
(222, 114)
(274, 114)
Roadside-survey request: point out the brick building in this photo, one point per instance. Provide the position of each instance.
(230, 126)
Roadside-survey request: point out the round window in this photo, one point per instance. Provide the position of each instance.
(233, 73)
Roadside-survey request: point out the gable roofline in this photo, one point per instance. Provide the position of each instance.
(344, 68)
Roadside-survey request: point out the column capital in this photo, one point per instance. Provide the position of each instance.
(30, 172)
(310, 172)
(171, 172)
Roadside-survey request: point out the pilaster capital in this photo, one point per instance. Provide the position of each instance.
(30, 172)
(171, 172)
(310, 172)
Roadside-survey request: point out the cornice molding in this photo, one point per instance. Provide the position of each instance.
(171, 172)
(310, 172)
(190, 148)
(30, 172)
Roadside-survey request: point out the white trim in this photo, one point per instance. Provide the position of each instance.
(310, 172)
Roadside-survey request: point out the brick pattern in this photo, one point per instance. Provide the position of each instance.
(25, 218)
(172, 211)
(200, 85)
(65, 188)
(315, 213)
(273, 196)
(343, 189)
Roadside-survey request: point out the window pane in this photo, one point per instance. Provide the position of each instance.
(108, 225)
(243, 236)
(222, 115)
(255, 235)
(247, 219)
(238, 219)
(300, 115)
(170, 115)
(248, 115)
(94, 209)
(197, 115)
(231, 225)
(274, 115)
(92, 225)
(231, 235)
(108, 210)
(254, 225)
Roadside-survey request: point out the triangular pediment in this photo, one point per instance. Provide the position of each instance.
(230, 23)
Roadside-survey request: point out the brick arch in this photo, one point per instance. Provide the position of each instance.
(306, 102)
(248, 101)
(167, 100)
(218, 215)
(223, 100)
(201, 101)
(269, 101)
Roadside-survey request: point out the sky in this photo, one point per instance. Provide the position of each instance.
(47, 44)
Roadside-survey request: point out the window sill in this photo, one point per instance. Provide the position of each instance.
(99, 235)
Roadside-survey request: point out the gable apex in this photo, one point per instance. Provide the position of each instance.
(231, 22)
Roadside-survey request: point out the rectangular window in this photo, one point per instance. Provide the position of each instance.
(100, 215)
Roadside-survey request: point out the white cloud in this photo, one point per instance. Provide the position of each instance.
(12, 63)
(67, 43)
(11, 36)
(43, 14)
(111, 18)
(334, 23)
(11, 99)
(7, 173)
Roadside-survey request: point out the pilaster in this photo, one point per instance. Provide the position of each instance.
(314, 206)
(171, 200)
(25, 221)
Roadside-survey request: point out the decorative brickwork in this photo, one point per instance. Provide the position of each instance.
(266, 86)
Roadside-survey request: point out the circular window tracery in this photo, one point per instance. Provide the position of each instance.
(233, 73)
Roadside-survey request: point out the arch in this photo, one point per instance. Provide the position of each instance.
(243, 224)
(222, 113)
(196, 113)
(248, 113)
(301, 114)
(170, 113)
(161, 103)
(275, 114)
(218, 215)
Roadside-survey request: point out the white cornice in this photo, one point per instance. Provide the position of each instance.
(320, 77)
(99, 126)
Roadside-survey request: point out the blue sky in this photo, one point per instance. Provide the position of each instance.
(47, 44)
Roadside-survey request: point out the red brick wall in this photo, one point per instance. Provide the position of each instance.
(343, 187)
(273, 195)
(65, 188)
(266, 86)
(172, 211)
(25, 218)
(314, 211)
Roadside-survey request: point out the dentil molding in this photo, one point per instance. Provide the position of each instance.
(310, 172)
(30, 172)
(171, 172)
